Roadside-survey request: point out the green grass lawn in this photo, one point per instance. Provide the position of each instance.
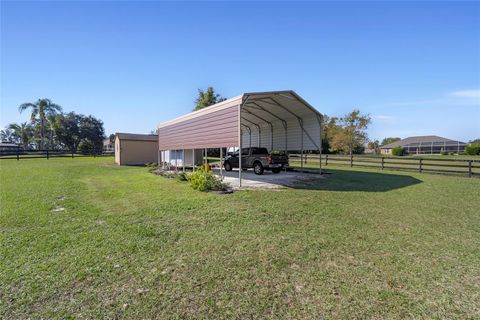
(129, 244)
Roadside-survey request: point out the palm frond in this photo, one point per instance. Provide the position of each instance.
(25, 106)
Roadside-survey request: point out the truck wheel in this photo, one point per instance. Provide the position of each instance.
(258, 168)
(276, 170)
(227, 166)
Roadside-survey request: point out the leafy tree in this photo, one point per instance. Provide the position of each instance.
(389, 140)
(92, 133)
(23, 132)
(398, 151)
(111, 138)
(207, 98)
(473, 149)
(351, 136)
(475, 141)
(67, 130)
(76, 131)
(39, 111)
(329, 128)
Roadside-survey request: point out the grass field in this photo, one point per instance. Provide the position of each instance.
(128, 244)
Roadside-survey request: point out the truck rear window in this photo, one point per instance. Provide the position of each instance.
(259, 151)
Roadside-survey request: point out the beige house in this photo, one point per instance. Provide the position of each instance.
(135, 149)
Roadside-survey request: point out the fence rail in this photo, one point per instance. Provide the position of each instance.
(19, 154)
(469, 167)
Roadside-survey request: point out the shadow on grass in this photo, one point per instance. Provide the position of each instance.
(346, 180)
(333, 180)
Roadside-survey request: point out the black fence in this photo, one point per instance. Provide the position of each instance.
(19, 154)
(468, 167)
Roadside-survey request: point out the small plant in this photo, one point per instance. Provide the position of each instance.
(473, 149)
(205, 180)
(182, 176)
(398, 151)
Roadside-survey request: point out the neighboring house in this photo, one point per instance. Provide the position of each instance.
(108, 146)
(135, 149)
(425, 145)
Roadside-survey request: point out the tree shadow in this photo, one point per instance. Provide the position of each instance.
(349, 180)
(332, 180)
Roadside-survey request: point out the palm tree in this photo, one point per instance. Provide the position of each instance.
(41, 109)
(23, 131)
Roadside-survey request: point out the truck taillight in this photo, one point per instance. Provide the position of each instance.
(269, 158)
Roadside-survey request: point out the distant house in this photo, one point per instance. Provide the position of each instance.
(135, 149)
(108, 146)
(425, 145)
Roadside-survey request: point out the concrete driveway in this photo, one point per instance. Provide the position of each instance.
(268, 180)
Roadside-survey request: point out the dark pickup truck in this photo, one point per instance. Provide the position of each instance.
(257, 158)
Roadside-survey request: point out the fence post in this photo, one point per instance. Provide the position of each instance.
(306, 158)
(351, 160)
(420, 165)
(48, 156)
(469, 168)
(18, 153)
(383, 163)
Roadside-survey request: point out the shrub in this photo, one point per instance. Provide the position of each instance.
(204, 180)
(473, 149)
(182, 176)
(398, 151)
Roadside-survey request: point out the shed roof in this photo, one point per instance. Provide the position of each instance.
(136, 136)
(425, 140)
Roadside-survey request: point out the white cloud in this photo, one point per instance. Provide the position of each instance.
(475, 93)
(450, 99)
(383, 118)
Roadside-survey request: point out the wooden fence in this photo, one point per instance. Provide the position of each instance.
(18, 154)
(469, 167)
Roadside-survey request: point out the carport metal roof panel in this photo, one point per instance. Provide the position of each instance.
(226, 123)
(249, 98)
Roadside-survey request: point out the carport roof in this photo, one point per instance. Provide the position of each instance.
(245, 98)
(282, 118)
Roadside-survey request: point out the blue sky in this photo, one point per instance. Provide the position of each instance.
(414, 67)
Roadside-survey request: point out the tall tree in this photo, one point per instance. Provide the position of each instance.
(207, 98)
(352, 135)
(67, 130)
(39, 111)
(92, 133)
(389, 140)
(23, 131)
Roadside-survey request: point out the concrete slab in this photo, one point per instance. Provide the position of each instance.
(268, 180)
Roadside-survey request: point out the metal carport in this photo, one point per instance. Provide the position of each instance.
(276, 120)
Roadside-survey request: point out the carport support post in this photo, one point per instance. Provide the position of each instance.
(319, 119)
(239, 146)
(183, 160)
(193, 160)
(221, 162)
(176, 160)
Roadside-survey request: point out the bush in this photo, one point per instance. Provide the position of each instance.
(398, 151)
(182, 176)
(204, 180)
(473, 149)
